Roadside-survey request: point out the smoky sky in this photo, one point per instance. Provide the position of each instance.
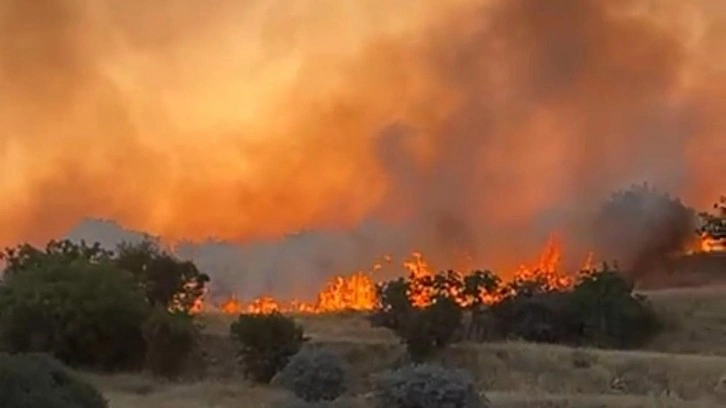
(469, 128)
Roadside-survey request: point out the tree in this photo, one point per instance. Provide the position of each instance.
(167, 281)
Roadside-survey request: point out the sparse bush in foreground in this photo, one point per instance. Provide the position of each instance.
(170, 339)
(38, 381)
(427, 386)
(266, 343)
(315, 375)
(83, 313)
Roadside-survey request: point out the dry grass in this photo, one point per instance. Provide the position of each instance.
(685, 367)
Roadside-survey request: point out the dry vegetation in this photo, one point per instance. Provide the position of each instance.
(685, 366)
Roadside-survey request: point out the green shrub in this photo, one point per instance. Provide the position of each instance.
(38, 381)
(427, 386)
(600, 311)
(314, 375)
(86, 314)
(608, 314)
(536, 317)
(166, 280)
(430, 328)
(170, 339)
(266, 342)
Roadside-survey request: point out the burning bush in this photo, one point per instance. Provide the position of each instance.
(395, 304)
(170, 339)
(425, 310)
(37, 381)
(713, 226)
(82, 312)
(266, 343)
(315, 375)
(428, 386)
(167, 281)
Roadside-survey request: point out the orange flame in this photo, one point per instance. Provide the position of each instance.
(358, 291)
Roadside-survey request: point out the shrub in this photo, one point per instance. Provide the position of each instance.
(427, 386)
(394, 306)
(37, 381)
(428, 329)
(608, 314)
(166, 280)
(83, 313)
(266, 343)
(600, 311)
(536, 317)
(315, 375)
(170, 339)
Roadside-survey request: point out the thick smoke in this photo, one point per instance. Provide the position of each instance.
(465, 130)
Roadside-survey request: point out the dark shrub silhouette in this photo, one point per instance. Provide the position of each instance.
(38, 381)
(265, 343)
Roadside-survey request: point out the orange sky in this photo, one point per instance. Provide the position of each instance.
(460, 120)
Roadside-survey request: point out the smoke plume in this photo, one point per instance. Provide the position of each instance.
(463, 128)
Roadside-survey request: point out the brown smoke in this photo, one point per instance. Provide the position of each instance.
(473, 127)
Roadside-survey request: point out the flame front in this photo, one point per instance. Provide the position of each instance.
(357, 292)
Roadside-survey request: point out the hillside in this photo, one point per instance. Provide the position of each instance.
(684, 367)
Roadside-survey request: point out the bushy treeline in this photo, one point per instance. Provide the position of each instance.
(91, 307)
(600, 310)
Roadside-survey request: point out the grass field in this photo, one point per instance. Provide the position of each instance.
(684, 367)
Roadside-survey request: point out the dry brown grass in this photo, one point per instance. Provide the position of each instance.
(684, 367)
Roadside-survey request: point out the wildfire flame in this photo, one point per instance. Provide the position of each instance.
(358, 291)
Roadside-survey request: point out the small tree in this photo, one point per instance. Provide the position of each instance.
(266, 342)
(167, 281)
(37, 381)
